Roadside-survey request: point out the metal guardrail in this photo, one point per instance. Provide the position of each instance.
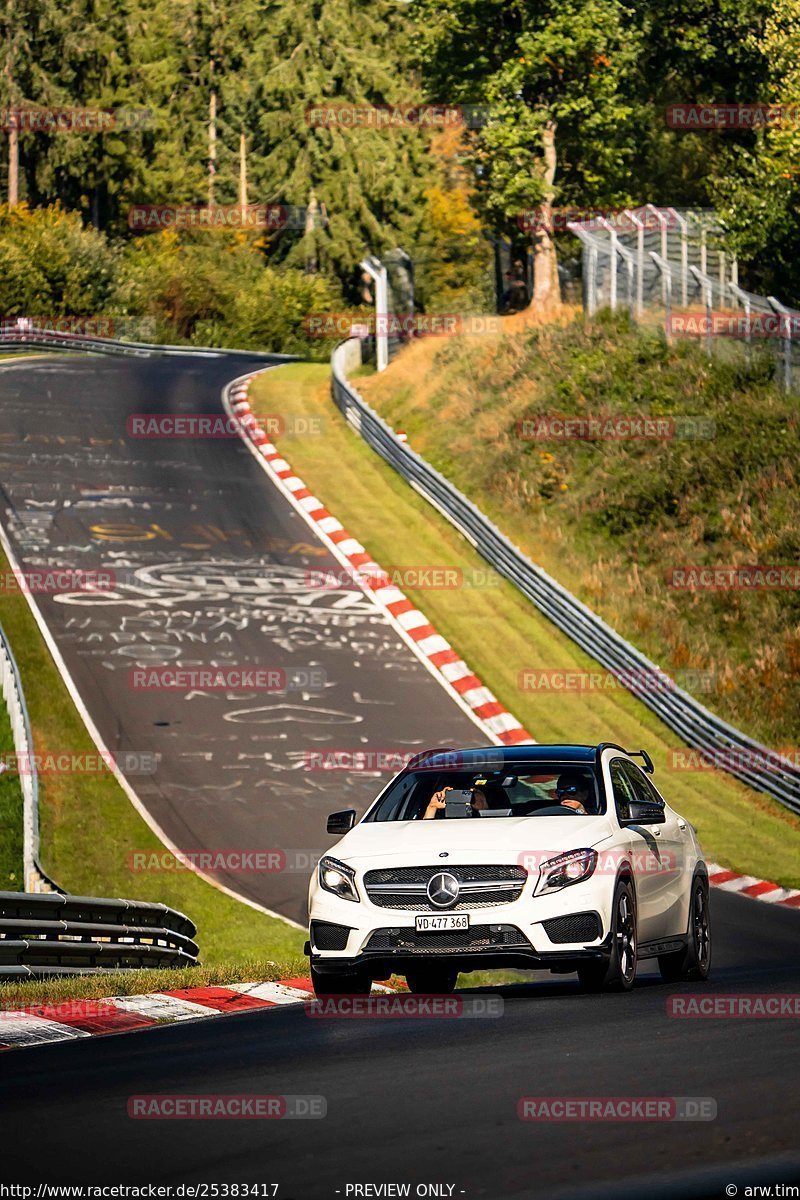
(50, 340)
(732, 750)
(44, 934)
(14, 698)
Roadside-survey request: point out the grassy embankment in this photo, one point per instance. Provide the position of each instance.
(496, 630)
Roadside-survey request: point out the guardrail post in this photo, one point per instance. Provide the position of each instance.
(786, 331)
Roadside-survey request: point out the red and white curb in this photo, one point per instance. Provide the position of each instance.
(37, 1024)
(414, 627)
(412, 624)
(749, 885)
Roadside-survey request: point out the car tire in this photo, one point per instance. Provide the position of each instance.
(619, 973)
(693, 962)
(352, 983)
(432, 981)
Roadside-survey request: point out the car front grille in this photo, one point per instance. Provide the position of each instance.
(481, 886)
(478, 937)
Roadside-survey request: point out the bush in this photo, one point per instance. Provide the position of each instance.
(50, 265)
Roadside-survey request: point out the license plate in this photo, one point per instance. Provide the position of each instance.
(443, 921)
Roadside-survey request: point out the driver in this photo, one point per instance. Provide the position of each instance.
(572, 791)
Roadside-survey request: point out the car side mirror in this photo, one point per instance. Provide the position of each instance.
(342, 822)
(643, 812)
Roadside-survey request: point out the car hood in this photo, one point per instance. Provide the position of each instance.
(499, 839)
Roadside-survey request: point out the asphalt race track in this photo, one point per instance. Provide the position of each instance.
(212, 566)
(434, 1101)
(203, 546)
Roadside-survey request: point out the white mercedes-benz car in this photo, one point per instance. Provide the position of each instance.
(563, 858)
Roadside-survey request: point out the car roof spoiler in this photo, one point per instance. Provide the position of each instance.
(647, 761)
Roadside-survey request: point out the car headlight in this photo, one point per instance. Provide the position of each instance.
(337, 877)
(565, 870)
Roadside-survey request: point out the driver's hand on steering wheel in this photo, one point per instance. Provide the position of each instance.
(574, 804)
(436, 803)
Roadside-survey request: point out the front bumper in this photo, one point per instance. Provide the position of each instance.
(531, 932)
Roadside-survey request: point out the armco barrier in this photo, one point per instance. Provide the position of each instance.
(34, 878)
(740, 755)
(48, 934)
(33, 339)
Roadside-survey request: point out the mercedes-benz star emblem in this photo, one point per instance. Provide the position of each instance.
(443, 889)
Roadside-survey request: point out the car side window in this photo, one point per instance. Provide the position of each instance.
(623, 793)
(641, 786)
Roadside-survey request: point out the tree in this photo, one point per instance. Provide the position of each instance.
(757, 186)
(557, 79)
(693, 51)
(310, 61)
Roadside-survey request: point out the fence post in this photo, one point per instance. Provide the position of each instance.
(707, 285)
(614, 247)
(786, 330)
(684, 228)
(639, 226)
(662, 224)
(627, 257)
(666, 276)
(744, 300)
(589, 265)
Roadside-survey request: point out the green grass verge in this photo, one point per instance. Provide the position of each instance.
(499, 633)
(610, 517)
(88, 825)
(136, 983)
(12, 878)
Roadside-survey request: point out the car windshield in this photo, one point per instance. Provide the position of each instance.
(542, 789)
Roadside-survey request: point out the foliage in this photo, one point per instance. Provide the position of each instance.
(51, 265)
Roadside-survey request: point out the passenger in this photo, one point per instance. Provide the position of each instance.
(484, 796)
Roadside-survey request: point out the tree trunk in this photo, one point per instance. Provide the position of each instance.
(546, 292)
(212, 143)
(13, 167)
(242, 173)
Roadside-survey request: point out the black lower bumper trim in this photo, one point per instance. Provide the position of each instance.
(381, 966)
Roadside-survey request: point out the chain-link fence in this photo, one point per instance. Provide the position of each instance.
(672, 267)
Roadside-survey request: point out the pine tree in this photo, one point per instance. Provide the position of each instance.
(367, 182)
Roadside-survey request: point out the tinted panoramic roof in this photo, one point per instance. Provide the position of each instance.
(526, 752)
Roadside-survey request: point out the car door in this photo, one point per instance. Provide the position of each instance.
(668, 860)
(641, 846)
